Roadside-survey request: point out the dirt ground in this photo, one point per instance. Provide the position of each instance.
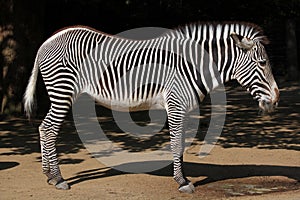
(256, 157)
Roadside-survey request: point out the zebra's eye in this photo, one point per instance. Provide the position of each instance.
(262, 63)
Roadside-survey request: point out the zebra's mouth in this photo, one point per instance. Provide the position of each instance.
(266, 106)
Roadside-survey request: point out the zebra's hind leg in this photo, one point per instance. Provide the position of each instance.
(48, 133)
(45, 160)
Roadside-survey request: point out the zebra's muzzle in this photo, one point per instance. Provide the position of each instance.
(266, 106)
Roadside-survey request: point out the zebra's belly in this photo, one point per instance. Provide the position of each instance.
(125, 105)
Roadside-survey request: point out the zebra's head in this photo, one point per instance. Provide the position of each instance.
(253, 71)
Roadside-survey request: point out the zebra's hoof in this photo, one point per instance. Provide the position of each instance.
(62, 186)
(189, 188)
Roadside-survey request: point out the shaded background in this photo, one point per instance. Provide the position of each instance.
(24, 25)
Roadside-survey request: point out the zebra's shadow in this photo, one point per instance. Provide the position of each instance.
(212, 172)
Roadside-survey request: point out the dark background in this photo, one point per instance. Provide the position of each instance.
(24, 25)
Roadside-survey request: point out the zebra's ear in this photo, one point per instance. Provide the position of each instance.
(242, 42)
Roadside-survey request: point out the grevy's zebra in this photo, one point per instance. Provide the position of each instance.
(194, 59)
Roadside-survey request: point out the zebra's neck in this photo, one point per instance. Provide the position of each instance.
(211, 51)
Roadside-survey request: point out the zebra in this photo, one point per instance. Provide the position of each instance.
(80, 59)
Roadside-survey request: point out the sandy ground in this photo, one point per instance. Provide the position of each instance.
(256, 157)
(273, 175)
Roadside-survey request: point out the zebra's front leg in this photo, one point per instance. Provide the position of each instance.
(177, 147)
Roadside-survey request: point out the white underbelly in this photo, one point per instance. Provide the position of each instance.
(156, 103)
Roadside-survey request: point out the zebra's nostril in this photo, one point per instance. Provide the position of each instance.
(277, 94)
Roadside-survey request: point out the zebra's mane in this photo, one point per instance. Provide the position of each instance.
(245, 29)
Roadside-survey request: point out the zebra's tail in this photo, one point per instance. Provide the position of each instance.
(29, 98)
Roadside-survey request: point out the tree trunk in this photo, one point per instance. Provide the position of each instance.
(22, 28)
(291, 50)
(7, 49)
